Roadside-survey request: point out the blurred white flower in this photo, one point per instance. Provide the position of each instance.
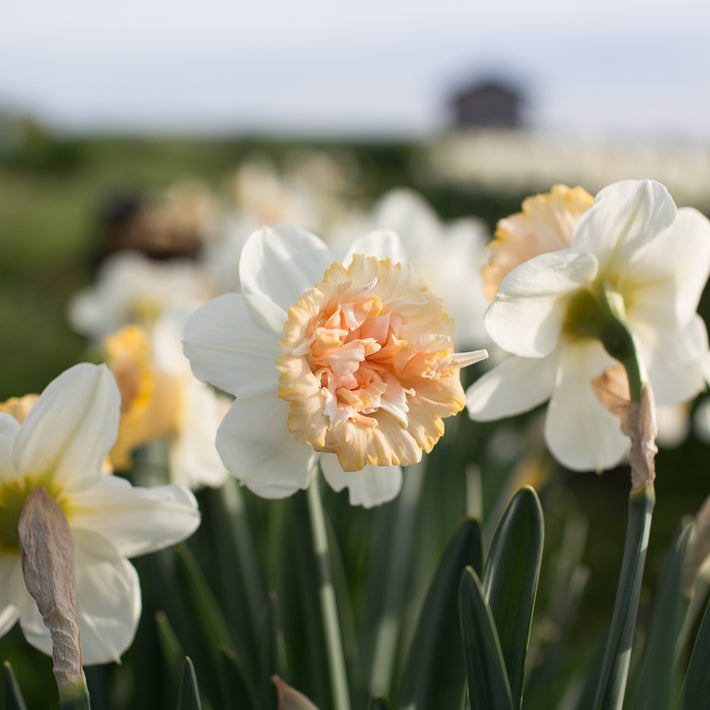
(61, 446)
(354, 362)
(162, 399)
(632, 251)
(447, 256)
(131, 288)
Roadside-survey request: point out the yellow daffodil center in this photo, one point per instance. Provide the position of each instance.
(368, 366)
(545, 224)
(13, 493)
(150, 398)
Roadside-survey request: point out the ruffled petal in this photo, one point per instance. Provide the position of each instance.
(516, 385)
(676, 361)
(624, 217)
(579, 432)
(256, 446)
(370, 486)
(281, 263)
(382, 243)
(71, 428)
(527, 316)
(228, 350)
(134, 520)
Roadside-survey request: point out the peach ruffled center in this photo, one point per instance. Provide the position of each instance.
(545, 224)
(368, 365)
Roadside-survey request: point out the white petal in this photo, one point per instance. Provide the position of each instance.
(527, 316)
(71, 427)
(228, 350)
(382, 243)
(257, 447)
(282, 263)
(8, 432)
(194, 461)
(372, 485)
(514, 386)
(668, 274)
(409, 215)
(624, 217)
(108, 600)
(134, 520)
(579, 432)
(10, 568)
(676, 361)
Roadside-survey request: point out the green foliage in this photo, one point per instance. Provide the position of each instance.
(434, 675)
(189, 698)
(11, 693)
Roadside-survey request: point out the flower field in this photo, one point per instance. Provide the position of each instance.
(345, 411)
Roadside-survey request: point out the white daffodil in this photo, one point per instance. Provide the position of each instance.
(61, 446)
(131, 288)
(352, 361)
(633, 254)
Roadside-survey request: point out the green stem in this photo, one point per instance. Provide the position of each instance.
(74, 695)
(617, 654)
(329, 609)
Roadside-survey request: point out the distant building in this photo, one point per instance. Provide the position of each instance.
(488, 103)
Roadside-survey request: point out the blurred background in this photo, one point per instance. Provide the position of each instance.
(136, 123)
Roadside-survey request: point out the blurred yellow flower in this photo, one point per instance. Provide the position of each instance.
(150, 399)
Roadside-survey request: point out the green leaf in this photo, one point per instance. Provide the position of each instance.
(189, 698)
(434, 675)
(170, 646)
(239, 691)
(617, 653)
(510, 578)
(488, 685)
(696, 689)
(11, 693)
(655, 683)
(378, 704)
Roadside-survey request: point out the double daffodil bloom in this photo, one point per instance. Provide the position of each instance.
(351, 361)
(61, 446)
(633, 256)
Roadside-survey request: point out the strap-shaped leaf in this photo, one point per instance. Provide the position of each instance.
(434, 675)
(696, 689)
(11, 693)
(655, 686)
(510, 580)
(488, 685)
(189, 697)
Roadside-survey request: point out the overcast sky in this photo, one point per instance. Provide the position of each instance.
(625, 68)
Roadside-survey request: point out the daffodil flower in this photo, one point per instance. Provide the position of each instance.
(162, 400)
(351, 361)
(633, 255)
(61, 446)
